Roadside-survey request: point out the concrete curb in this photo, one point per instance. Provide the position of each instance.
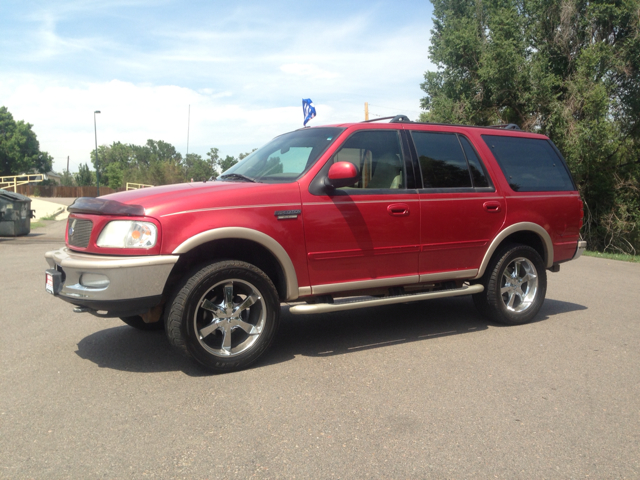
(44, 209)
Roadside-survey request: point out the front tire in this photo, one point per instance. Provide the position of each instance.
(224, 315)
(515, 285)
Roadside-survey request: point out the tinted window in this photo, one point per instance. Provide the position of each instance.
(378, 158)
(530, 164)
(478, 174)
(442, 161)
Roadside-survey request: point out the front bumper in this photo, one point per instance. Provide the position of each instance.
(112, 285)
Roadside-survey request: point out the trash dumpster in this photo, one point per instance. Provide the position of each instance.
(15, 214)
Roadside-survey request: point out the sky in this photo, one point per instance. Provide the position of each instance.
(230, 75)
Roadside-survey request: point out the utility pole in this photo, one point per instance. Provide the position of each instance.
(67, 163)
(95, 129)
(366, 111)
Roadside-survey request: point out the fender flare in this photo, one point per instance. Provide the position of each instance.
(291, 279)
(519, 227)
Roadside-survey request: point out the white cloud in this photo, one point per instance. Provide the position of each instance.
(243, 69)
(307, 70)
(63, 118)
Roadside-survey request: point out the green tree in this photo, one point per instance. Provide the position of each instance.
(85, 177)
(113, 176)
(227, 162)
(113, 160)
(162, 151)
(245, 155)
(198, 169)
(164, 163)
(66, 179)
(19, 147)
(213, 159)
(155, 163)
(568, 69)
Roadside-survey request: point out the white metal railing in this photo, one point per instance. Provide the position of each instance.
(136, 186)
(15, 181)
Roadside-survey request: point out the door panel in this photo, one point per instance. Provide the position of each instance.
(457, 229)
(370, 230)
(355, 238)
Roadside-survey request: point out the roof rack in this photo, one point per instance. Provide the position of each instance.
(405, 119)
(396, 119)
(376, 119)
(506, 126)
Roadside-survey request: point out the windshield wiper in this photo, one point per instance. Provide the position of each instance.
(239, 176)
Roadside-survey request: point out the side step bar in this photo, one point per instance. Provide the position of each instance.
(353, 304)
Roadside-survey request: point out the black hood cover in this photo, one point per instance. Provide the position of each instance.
(105, 207)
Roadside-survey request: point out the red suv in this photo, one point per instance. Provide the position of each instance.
(327, 219)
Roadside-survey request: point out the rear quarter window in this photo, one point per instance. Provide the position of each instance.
(530, 164)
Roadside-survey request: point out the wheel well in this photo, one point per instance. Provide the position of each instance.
(230, 249)
(527, 238)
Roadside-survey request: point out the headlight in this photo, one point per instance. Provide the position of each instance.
(128, 234)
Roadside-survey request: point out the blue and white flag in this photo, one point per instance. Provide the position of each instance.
(308, 110)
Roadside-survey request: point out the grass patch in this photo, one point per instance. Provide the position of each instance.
(614, 256)
(37, 225)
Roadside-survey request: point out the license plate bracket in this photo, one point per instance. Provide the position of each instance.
(53, 281)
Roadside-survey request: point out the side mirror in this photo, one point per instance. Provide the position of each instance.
(342, 174)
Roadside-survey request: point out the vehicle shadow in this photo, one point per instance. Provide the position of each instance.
(29, 236)
(321, 335)
(341, 333)
(127, 349)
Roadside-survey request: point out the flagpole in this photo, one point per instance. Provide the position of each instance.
(188, 125)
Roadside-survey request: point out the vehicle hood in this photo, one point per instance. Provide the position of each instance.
(170, 199)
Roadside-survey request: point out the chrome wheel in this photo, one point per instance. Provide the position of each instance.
(223, 315)
(230, 318)
(515, 284)
(519, 284)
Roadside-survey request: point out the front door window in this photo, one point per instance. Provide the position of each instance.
(377, 156)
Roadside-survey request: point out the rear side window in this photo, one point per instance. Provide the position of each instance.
(448, 160)
(530, 164)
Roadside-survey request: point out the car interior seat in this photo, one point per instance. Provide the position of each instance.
(387, 172)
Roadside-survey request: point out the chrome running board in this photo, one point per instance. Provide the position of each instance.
(353, 304)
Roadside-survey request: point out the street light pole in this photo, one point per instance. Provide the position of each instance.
(95, 129)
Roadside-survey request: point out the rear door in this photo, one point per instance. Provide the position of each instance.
(461, 211)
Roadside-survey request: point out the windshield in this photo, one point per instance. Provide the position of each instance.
(285, 158)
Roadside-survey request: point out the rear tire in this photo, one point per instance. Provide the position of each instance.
(515, 285)
(224, 315)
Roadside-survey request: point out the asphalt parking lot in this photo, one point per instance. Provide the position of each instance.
(423, 390)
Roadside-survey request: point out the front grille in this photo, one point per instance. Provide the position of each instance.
(80, 232)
